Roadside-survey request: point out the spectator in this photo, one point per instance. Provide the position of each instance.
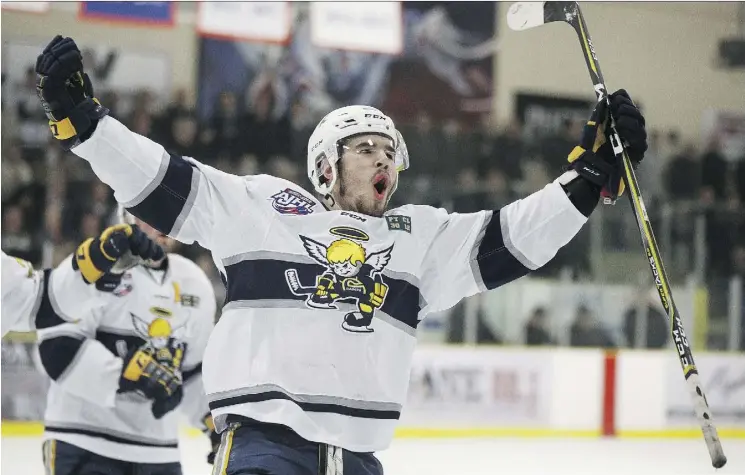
(184, 138)
(537, 329)
(266, 135)
(682, 174)
(740, 179)
(226, 125)
(16, 173)
(16, 239)
(427, 140)
(468, 196)
(658, 326)
(714, 173)
(510, 151)
(587, 331)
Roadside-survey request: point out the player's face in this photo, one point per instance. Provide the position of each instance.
(164, 241)
(367, 175)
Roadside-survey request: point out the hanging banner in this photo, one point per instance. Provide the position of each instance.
(543, 115)
(267, 22)
(124, 70)
(148, 13)
(31, 7)
(374, 27)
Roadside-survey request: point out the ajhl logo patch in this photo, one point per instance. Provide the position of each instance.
(289, 201)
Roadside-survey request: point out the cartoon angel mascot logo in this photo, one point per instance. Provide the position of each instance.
(351, 275)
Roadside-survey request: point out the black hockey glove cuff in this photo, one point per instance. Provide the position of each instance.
(66, 93)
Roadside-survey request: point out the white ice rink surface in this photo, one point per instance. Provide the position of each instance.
(22, 456)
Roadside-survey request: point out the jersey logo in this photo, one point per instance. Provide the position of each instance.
(289, 201)
(351, 275)
(125, 286)
(161, 340)
(399, 223)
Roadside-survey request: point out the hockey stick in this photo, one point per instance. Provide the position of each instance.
(525, 15)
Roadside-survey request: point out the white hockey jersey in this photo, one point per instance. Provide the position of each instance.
(171, 310)
(21, 293)
(322, 306)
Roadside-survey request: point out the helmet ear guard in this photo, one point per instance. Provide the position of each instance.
(402, 153)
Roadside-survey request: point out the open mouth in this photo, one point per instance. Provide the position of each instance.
(380, 185)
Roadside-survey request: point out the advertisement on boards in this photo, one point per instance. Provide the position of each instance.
(465, 387)
(723, 381)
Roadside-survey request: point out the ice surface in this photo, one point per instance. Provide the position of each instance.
(501, 456)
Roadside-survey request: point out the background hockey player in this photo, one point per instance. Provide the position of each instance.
(291, 389)
(123, 369)
(23, 286)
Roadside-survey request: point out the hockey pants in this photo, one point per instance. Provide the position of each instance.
(61, 458)
(255, 448)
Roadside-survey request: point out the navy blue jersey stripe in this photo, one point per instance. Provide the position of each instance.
(110, 341)
(496, 263)
(58, 353)
(265, 279)
(190, 373)
(110, 437)
(307, 406)
(164, 204)
(46, 317)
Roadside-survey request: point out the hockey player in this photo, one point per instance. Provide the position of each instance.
(308, 367)
(121, 368)
(23, 287)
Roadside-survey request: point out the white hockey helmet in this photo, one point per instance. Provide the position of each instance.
(341, 124)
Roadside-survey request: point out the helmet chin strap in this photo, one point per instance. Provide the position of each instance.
(330, 201)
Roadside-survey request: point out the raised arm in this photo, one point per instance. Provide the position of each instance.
(481, 251)
(176, 195)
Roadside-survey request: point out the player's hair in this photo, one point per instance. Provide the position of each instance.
(345, 250)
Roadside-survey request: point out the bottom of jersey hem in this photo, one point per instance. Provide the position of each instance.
(51, 430)
(326, 407)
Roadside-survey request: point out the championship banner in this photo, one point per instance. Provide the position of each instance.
(148, 13)
(374, 27)
(723, 381)
(30, 7)
(467, 388)
(123, 70)
(402, 57)
(543, 115)
(267, 22)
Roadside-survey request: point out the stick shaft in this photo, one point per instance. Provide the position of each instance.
(573, 15)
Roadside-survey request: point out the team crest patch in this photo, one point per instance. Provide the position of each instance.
(289, 201)
(399, 223)
(351, 275)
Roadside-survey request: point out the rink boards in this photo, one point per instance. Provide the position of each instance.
(490, 391)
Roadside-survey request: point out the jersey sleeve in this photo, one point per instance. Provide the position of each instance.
(21, 294)
(177, 195)
(66, 324)
(198, 296)
(475, 252)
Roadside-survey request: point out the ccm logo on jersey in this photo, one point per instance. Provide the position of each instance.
(289, 201)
